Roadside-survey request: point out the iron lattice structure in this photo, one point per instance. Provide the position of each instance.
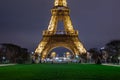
(52, 38)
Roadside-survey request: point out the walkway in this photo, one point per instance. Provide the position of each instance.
(102, 64)
(112, 65)
(6, 64)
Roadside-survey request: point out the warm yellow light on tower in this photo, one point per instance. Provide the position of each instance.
(60, 3)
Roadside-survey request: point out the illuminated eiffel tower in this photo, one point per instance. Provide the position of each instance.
(53, 38)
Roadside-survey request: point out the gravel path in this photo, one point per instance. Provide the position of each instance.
(112, 65)
(6, 64)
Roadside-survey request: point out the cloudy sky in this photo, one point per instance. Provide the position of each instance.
(22, 21)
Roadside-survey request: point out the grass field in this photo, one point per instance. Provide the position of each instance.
(59, 72)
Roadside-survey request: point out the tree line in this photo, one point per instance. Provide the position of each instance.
(110, 53)
(11, 53)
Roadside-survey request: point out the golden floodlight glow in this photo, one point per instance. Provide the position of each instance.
(60, 3)
(53, 38)
(68, 54)
(53, 54)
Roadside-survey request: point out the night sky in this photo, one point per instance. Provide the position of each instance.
(22, 21)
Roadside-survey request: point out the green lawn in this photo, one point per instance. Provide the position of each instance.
(59, 72)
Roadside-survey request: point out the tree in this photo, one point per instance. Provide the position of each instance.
(95, 55)
(13, 53)
(113, 49)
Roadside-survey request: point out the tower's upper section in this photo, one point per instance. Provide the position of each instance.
(60, 3)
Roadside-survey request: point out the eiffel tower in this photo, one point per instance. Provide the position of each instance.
(53, 38)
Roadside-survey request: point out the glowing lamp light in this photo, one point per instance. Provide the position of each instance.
(56, 58)
(65, 58)
(77, 56)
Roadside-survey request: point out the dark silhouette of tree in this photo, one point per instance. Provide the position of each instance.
(13, 53)
(113, 50)
(113, 47)
(95, 55)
